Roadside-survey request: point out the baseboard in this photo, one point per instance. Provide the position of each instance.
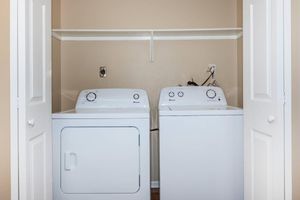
(154, 184)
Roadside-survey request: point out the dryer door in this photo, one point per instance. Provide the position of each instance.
(100, 160)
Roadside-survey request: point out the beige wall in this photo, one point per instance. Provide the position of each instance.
(56, 68)
(56, 78)
(4, 102)
(128, 66)
(128, 62)
(148, 14)
(240, 53)
(296, 97)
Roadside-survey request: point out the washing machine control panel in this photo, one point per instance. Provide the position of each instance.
(201, 96)
(94, 100)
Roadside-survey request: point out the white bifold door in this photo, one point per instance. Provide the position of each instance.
(34, 66)
(264, 99)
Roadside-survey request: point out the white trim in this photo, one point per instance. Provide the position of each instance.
(150, 30)
(143, 38)
(18, 112)
(99, 38)
(151, 45)
(154, 184)
(14, 143)
(146, 34)
(288, 99)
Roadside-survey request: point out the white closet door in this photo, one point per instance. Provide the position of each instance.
(264, 99)
(34, 65)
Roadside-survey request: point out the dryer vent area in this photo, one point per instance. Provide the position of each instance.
(149, 46)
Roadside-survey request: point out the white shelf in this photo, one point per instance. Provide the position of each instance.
(150, 35)
(146, 34)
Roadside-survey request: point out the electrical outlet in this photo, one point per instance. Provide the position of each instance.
(102, 71)
(212, 68)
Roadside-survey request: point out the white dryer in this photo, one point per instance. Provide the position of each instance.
(101, 149)
(201, 145)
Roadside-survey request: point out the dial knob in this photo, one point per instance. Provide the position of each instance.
(171, 94)
(91, 96)
(211, 93)
(180, 94)
(136, 96)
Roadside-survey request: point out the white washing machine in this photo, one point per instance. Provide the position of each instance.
(201, 145)
(101, 149)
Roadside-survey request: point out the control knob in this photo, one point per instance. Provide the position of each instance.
(136, 96)
(171, 94)
(180, 94)
(211, 94)
(91, 96)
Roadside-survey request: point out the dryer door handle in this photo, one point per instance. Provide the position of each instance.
(70, 161)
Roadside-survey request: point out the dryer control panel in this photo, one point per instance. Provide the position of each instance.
(193, 95)
(101, 99)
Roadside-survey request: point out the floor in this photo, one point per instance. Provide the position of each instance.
(154, 194)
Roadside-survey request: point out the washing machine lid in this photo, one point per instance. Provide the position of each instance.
(194, 110)
(202, 100)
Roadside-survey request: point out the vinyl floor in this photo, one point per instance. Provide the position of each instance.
(154, 194)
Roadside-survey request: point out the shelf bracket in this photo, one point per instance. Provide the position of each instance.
(152, 47)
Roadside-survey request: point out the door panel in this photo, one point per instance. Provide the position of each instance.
(37, 167)
(35, 142)
(38, 49)
(260, 49)
(100, 160)
(264, 99)
(261, 165)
